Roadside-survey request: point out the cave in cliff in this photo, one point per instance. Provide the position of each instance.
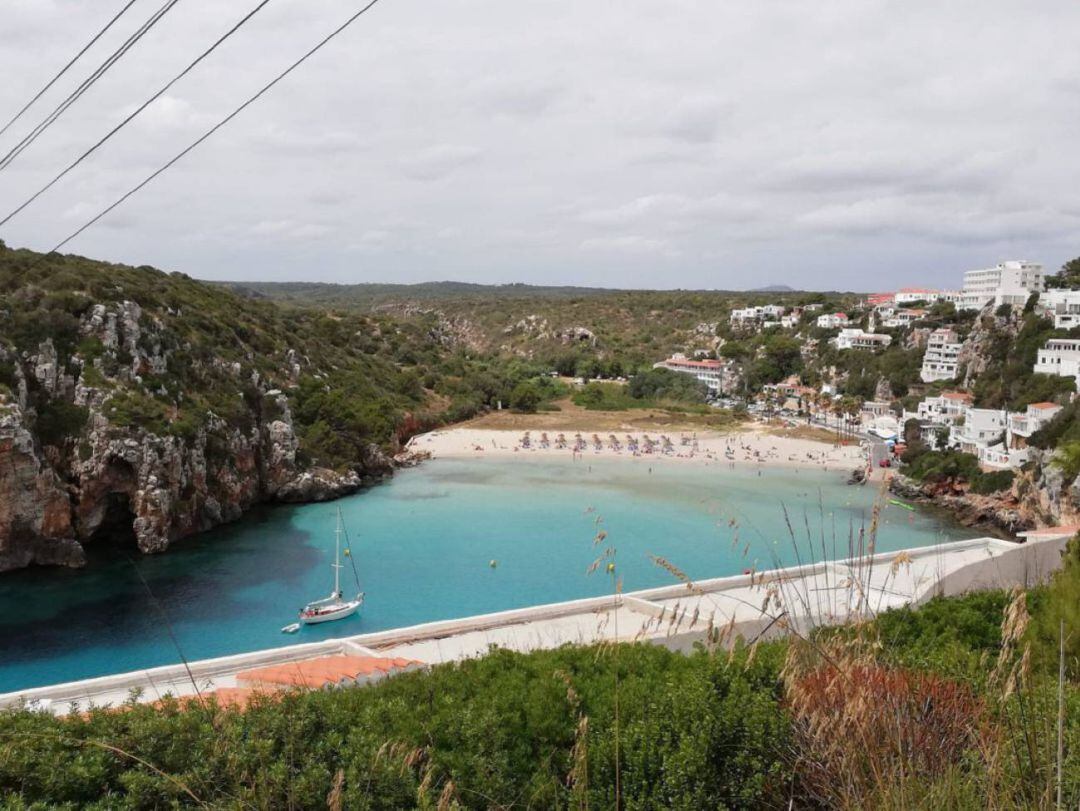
(117, 526)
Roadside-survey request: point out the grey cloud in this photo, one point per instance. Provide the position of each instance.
(438, 161)
(694, 144)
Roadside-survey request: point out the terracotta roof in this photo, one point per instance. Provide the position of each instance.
(323, 672)
(1044, 405)
(957, 395)
(707, 364)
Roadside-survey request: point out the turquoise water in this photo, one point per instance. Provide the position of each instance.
(423, 543)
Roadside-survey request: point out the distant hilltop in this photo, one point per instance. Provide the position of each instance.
(773, 288)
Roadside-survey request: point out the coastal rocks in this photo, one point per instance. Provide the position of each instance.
(35, 514)
(319, 484)
(1001, 511)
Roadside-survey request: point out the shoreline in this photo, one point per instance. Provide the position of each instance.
(755, 448)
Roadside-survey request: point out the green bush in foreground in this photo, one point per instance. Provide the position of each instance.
(696, 732)
(539, 730)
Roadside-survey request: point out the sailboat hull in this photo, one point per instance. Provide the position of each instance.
(331, 613)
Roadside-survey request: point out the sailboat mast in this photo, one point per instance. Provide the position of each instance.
(337, 555)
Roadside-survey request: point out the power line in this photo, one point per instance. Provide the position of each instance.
(64, 69)
(221, 123)
(86, 84)
(142, 107)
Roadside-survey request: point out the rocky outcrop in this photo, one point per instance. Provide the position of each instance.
(976, 351)
(998, 511)
(35, 513)
(117, 467)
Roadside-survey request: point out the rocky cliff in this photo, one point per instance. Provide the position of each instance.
(142, 423)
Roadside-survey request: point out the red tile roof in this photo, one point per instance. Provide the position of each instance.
(707, 364)
(321, 672)
(1044, 405)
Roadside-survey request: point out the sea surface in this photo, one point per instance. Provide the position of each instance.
(447, 539)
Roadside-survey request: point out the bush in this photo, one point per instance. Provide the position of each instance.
(525, 398)
(985, 483)
(694, 732)
(59, 421)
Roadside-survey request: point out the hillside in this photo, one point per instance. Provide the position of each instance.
(138, 402)
(577, 330)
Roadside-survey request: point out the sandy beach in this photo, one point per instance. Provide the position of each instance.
(753, 447)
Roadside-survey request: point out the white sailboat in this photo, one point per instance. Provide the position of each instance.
(334, 607)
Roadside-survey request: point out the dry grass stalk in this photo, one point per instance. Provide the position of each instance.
(335, 800)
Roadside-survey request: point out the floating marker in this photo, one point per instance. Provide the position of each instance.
(611, 568)
(493, 563)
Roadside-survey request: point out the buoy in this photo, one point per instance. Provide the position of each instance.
(348, 554)
(493, 563)
(611, 568)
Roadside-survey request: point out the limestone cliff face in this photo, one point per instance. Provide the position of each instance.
(86, 455)
(35, 513)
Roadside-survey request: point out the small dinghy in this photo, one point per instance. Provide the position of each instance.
(335, 607)
(291, 629)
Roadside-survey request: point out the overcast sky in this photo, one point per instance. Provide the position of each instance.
(857, 145)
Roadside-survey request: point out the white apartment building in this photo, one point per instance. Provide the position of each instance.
(909, 295)
(949, 421)
(1022, 424)
(945, 409)
(902, 318)
(765, 312)
(857, 339)
(1010, 282)
(941, 360)
(981, 427)
(790, 321)
(1063, 306)
(1060, 356)
(718, 375)
(832, 320)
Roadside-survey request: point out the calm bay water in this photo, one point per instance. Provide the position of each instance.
(423, 543)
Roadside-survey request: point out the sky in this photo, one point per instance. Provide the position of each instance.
(858, 145)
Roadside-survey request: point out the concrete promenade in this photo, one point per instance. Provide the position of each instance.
(761, 604)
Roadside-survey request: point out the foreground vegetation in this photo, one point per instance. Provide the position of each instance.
(951, 705)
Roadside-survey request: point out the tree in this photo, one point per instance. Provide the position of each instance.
(1067, 460)
(525, 398)
(1068, 277)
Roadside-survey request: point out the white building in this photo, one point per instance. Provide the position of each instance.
(790, 321)
(941, 360)
(832, 320)
(981, 428)
(902, 318)
(718, 375)
(946, 409)
(766, 312)
(857, 339)
(1022, 424)
(1063, 306)
(1010, 282)
(909, 295)
(1060, 356)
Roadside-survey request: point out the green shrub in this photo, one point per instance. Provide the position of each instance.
(985, 483)
(59, 421)
(694, 732)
